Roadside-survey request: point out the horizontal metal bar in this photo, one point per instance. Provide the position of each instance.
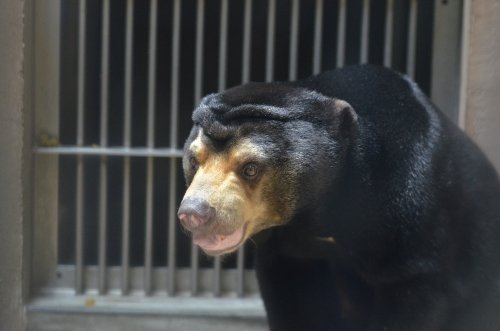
(110, 151)
(131, 305)
(62, 280)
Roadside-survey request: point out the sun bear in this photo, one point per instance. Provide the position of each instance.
(369, 208)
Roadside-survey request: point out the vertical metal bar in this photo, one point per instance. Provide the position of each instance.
(247, 38)
(365, 31)
(172, 221)
(129, 31)
(412, 39)
(174, 101)
(129, 28)
(153, 20)
(223, 44)
(389, 23)
(81, 73)
(464, 61)
(271, 27)
(245, 77)
(341, 29)
(294, 41)
(148, 242)
(216, 284)
(318, 36)
(104, 73)
(445, 75)
(79, 249)
(125, 283)
(194, 269)
(200, 23)
(221, 86)
(103, 178)
(103, 189)
(79, 281)
(240, 272)
(198, 87)
(174, 105)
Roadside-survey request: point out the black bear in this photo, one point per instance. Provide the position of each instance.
(369, 208)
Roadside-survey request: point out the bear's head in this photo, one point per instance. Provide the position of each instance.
(257, 155)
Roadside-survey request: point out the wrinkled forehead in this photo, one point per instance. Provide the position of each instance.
(239, 147)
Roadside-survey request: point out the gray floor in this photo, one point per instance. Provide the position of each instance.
(86, 322)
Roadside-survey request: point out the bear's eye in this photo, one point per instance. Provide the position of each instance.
(193, 162)
(250, 170)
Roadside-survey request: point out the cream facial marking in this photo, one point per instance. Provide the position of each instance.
(240, 207)
(198, 148)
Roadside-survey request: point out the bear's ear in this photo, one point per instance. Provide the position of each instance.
(345, 119)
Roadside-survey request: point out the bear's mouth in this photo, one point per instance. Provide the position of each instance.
(217, 244)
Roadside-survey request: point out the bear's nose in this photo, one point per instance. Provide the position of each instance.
(195, 212)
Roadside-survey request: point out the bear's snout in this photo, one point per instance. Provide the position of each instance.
(194, 213)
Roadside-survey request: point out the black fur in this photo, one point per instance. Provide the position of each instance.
(412, 204)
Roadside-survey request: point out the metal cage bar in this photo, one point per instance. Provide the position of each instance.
(245, 77)
(79, 249)
(198, 85)
(103, 178)
(224, 9)
(388, 33)
(174, 109)
(365, 32)
(318, 36)
(247, 38)
(271, 28)
(294, 40)
(412, 39)
(148, 242)
(341, 31)
(127, 132)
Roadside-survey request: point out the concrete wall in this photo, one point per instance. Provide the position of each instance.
(481, 116)
(11, 151)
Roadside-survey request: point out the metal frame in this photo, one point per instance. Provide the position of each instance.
(113, 287)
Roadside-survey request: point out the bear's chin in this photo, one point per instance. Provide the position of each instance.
(218, 244)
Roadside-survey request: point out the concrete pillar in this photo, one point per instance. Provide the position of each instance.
(480, 113)
(11, 151)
